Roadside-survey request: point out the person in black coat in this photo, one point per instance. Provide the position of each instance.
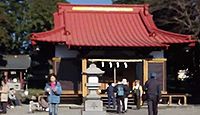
(111, 95)
(153, 93)
(120, 90)
(126, 94)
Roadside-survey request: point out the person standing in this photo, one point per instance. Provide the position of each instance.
(111, 95)
(53, 89)
(137, 92)
(153, 92)
(120, 90)
(127, 92)
(4, 95)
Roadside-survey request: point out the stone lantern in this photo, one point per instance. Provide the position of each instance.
(93, 104)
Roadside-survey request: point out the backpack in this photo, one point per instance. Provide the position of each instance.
(120, 90)
(43, 103)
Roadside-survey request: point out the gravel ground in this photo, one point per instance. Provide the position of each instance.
(180, 110)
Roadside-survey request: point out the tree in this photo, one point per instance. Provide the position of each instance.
(19, 18)
(180, 16)
(4, 41)
(40, 14)
(5, 27)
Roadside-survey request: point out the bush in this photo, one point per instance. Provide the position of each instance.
(35, 92)
(31, 93)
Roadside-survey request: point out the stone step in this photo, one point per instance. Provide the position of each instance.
(130, 101)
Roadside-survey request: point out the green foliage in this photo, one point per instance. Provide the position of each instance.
(19, 18)
(32, 93)
(35, 92)
(13, 13)
(40, 14)
(5, 27)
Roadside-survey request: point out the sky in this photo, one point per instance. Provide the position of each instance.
(90, 1)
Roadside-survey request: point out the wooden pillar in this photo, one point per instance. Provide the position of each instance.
(170, 100)
(156, 61)
(6, 75)
(21, 80)
(84, 78)
(164, 77)
(185, 100)
(145, 71)
(56, 60)
(115, 74)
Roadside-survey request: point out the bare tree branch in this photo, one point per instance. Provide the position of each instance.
(181, 16)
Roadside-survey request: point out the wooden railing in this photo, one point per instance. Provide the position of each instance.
(172, 96)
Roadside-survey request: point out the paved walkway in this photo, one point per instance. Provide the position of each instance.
(186, 110)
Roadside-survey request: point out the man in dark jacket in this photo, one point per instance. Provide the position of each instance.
(152, 88)
(120, 90)
(111, 95)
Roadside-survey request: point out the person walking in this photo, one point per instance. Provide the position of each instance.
(127, 92)
(111, 95)
(4, 95)
(120, 90)
(153, 92)
(53, 89)
(137, 92)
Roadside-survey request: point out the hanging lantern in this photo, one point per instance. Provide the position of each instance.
(117, 64)
(110, 63)
(125, 65)
(102, 64)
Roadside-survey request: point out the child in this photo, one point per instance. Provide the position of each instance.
(53, 90)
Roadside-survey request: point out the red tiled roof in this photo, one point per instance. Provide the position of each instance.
(55, 35)
(107, 26)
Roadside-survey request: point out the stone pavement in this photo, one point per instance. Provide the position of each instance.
(184, 110)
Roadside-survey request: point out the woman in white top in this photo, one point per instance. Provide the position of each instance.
(137, 92)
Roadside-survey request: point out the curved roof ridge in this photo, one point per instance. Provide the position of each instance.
(149, 23)
(46, 33)
(56, 34)
(147, 26)
(189, 37)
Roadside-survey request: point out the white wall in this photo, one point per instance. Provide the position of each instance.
(157, 54)
(63, 52)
